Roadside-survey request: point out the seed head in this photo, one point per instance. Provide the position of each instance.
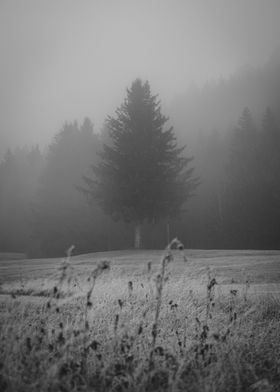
(120, 302)
(104, 265)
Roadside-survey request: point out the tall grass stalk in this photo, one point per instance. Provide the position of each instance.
(160, 280)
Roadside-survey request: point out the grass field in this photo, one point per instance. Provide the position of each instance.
(177, 320)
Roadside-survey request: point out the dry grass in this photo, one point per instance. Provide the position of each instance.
(162, 325)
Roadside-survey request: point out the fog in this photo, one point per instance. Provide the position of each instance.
(64, 60)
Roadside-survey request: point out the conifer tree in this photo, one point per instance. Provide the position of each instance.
(61, 216)
(242, 183)
(269, 181)
(143, 175)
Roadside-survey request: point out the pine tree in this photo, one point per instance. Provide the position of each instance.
(269, 184)
(243, 148)
(61, 216)
(19, 179)
(242, 183)
(142, 176)
(270, 141)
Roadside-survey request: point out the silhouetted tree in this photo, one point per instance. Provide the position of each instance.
(218, 105)
(19, 174)
(142, 176)
(61, 216)
(269, 182)
(242, 197)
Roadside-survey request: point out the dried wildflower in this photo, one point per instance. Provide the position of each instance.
(120, 302)
(94, 345)
(28, 343)
(180, 246)
(204, 332)
(159, 350)
(104, 265)
(154, 330)
(212, 283)
(130, 287)
(69, 251)
(61, 338)
(116, 322)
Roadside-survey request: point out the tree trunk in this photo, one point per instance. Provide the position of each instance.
(138, 237)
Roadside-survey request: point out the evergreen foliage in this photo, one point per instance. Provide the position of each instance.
(19, 176)
(143, 175)
(62, 216)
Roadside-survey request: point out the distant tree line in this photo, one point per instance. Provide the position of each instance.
(238, 203)
(43, 209)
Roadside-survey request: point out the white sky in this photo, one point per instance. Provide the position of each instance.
(67, 59)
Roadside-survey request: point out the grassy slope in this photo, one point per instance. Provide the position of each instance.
(98, 347)
(260, 267)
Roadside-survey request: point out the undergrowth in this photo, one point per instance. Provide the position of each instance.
(148, 337)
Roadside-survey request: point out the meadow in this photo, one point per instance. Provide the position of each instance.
(173, 320)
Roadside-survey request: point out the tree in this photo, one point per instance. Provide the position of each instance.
(19, 176)
(269, 189)
(242, 184)
(142, 176)
(61, 217)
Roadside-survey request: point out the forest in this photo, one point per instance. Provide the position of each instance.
(230, 127)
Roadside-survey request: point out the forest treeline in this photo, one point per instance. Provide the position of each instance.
(237, 204)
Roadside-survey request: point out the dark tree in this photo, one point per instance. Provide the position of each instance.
(142, 176)
(269, 184)
(61, 216)
(19, 174)
(242, 196)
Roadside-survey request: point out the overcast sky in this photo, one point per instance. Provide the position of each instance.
(67, 59)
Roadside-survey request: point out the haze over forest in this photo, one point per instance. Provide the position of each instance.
(64, 60)
(215, 66)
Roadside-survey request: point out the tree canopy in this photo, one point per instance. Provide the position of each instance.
(143, 175)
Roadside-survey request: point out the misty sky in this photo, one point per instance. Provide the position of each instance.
(67, 59)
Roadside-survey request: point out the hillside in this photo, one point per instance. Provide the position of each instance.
(228, 266)
(191, 320)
